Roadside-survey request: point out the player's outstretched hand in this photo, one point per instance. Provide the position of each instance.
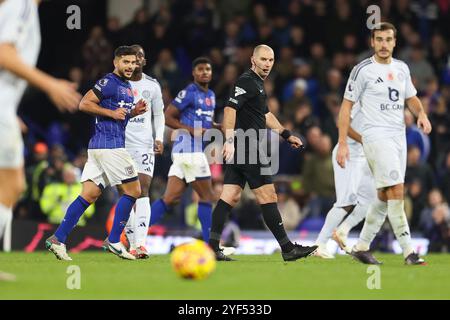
(158, 147)
(343, 154)
(139, 108)
(119, 114)
(228, 151)
(64, 95)
(295, 142)
(423, 123)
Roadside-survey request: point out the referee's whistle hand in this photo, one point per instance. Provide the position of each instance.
(228, 151)
(295, 142)
(343, 154)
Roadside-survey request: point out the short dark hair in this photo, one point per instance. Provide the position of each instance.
(200, 60)
(124, 51)
(382, 26)
(137, 47)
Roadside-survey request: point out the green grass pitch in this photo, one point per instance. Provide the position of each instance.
(104, 276)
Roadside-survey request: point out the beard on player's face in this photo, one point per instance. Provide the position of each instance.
(126, 72)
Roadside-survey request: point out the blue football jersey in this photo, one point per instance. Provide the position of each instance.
(196, 108)
(113, 92)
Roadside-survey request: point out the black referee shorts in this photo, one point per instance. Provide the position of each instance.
(239, 174)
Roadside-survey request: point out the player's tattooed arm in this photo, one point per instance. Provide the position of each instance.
(90, 104)
(415, 105)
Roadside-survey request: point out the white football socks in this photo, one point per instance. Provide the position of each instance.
(376, 215)
(129, 229)
(142, 220)
(355, 217)
(334, 217)
(399, 223)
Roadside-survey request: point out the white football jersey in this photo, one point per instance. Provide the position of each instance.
(380, 90)
(139, 130)
(19, 26)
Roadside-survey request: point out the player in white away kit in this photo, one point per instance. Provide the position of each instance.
(139, 143)
(355, 191)
(20, 41)
(381, 85)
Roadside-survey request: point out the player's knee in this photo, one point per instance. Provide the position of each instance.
(171, 199)
(396, 192)
(207, 196)
(231, 198)
(91, 196)
(135, 191)
(264, 198)
(144, 192)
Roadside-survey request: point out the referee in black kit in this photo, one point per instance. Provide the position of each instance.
(247, 110)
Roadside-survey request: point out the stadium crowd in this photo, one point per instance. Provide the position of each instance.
(316, 44)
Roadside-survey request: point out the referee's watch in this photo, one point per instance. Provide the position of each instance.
(230, 140)
(285, 134)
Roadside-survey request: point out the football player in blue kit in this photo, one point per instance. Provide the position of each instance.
(111, 102)
(190, 114)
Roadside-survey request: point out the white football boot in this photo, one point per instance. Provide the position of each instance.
(118, 249)
(58, 248)
(322, 252)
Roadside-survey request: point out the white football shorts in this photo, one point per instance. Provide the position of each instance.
(387, 160)
(144, 160)
(109, 167)
(354, 184)
(190, 166)
(11, 148)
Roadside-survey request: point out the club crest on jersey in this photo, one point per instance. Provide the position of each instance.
(129, 170)
(181, 94)
(146, 94)
(238, 91)
(208, 102)
(350, 87)
(401, 76)
(393, 94)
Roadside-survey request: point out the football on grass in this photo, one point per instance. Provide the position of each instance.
(193, 260)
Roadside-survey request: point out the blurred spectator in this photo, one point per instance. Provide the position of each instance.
(329, 123)
(421, 69)
(415, 137)
(136, 30)
(445, 178)
(225, 84)
(57, 196)
(318, 178)
(97, 54)
(289, 209)
(299, 97)
(415, 169)
(434, 221)
(303, 118)
(290, 159)
(167, 72)
(113, 31)
(319, 62)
